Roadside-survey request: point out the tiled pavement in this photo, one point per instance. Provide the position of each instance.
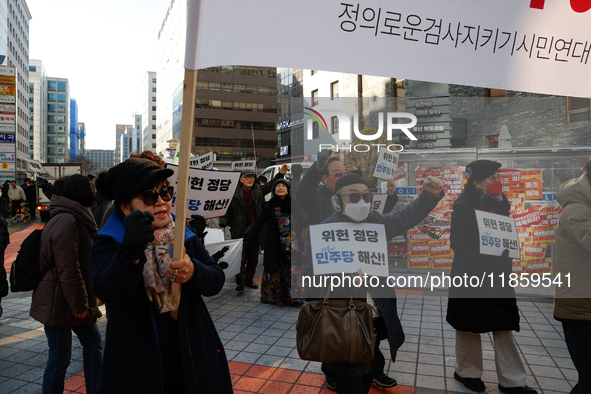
(260, 344)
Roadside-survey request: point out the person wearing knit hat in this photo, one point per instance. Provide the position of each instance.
(352, 203)
(132, 272)
(276, 214)
(490, 307)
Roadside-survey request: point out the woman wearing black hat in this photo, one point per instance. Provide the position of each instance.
(146, 350)
(276, 282)
(473, 311)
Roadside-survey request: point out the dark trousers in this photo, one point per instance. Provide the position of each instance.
(32, 208)
(354, 384)
(250, 259)
(578, 342)
(3, 280)
(16, 204)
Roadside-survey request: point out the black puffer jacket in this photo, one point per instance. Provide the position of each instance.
(273, 250)
(487, 308)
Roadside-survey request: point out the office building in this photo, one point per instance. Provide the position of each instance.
(290, 115)
(149, 109)
(101, 159)
(37, 111)
(119, 130)
(74, 130)
(82, 128)
(136, 134)
(58, 120)
(14, 43)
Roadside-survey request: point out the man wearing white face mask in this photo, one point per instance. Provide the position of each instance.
(352, 203)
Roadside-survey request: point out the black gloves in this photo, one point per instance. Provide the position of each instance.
(138, 233)
(322, 159)
(198, 224)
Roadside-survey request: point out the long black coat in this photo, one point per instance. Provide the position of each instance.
(132, 361)
(467, 310)
(273, 252)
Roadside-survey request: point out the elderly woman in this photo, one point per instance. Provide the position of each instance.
(147, 351)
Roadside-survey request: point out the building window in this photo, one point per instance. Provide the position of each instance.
(154, 136)
(153, 117)
(314, 97)
(51, 118)
(51, 107)
(153, 127)
(51, 96)
(61, 118)
(32, 68)
(61, 86)
(334, 90)
(315, 130)
(61, 97)
(51, 85)
(313, 72)
(577, 109)
(153, 98)
(334, 123)
(154, 90)
(153, 80)
(61, 107)
(492, 141)
(153, 108)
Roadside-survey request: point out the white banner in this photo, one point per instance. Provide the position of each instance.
(497, 233)
(7, 147)
(10, 128)
(7, 157)
(7, 119)
(7, 166)
(7, 99)
(502, 44)
(38, 168)
(229, 255)
(349, 247)
(210, 192)
(386, 165)
(7, 109)
(378, 203)
(244, 165)
(203, 162)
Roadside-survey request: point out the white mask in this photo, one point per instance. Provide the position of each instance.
(359, 211)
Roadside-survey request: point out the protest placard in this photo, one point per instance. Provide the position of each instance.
(38, 168)
(230, 253)
(349, 247)
(203, 162)
(387, 164)
(209, 192)
(378, 202)
(244, 165)
(497, 233)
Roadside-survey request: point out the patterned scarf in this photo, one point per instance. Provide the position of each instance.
(156, 278)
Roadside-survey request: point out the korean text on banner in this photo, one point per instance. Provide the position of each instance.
(210, 192)
(378, 203)
(203, 162)
(386, 165)
(38, 168)
(497, 233)
(243, 165)
(503, 44)
(349, 247)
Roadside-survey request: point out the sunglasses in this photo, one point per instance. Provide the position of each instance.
(150, 197)
(337, 174)
(355, 197)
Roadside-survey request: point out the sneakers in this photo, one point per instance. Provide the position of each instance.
(331, 382)
(383, 380)
(252, 285)
(240, 287)
(517, 390)
(474, 384)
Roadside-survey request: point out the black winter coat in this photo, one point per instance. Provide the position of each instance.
(273, 251)
(473, 309)
(132, 361)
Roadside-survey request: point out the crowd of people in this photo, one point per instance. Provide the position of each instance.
(110, 238)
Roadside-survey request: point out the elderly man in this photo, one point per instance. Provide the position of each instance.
(16, 194)
(244, 208)
(352, 203)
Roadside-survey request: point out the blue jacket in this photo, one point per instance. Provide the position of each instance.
(132, 361)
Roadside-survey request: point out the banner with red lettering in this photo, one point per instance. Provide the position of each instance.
(503, 44)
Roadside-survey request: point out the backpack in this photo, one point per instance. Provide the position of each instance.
(26, 272)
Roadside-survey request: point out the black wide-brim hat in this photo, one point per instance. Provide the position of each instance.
(481, 169)
(130, 178)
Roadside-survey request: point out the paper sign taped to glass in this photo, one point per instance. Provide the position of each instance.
(349, 247)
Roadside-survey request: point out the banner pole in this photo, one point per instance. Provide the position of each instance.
(184, 149)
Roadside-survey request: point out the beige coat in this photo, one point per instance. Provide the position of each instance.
(573, 250)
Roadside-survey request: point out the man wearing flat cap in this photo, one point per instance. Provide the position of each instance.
(472, 311)
(352, 203)
(246, 205)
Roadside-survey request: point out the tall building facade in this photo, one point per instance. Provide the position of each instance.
(149, 111)
(74, 130)
(101, 159)
(119, 131)
(82, 128)
(58, 120)
(14, 42)
(37, 111)
(290, 115)
(136, 134)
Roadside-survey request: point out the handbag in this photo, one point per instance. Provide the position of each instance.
(336, 331)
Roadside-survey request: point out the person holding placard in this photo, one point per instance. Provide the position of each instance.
(491, 308)
(246, 205)
(132, 272)
(351, 203)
